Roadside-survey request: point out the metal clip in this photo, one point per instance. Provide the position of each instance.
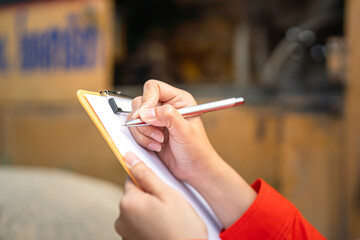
(107, 93)
(111, 100)
(114, 107)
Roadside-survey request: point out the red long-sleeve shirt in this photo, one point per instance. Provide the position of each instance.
(271, 216)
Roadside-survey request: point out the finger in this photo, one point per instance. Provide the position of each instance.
(147, 141)
(166, 116)
(161, 92)
(135, 104)
(118, 226)
(129, 185)
(146, 179)
(131, 191)
(149, 137)
(152, 132)
(121, 227)
(157, 91)
(155, 133)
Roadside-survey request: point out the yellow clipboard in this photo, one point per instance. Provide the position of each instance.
(193, 197)
(90, 111)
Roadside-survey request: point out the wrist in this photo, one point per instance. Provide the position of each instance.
(227, 193)
(204, 169)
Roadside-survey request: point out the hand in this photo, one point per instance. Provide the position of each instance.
(181, 143)
(156, 211)
(183, 146)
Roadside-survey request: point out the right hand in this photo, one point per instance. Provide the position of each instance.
(181, 143)
(183, 146)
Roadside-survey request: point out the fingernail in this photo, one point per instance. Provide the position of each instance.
(154, 147)
(157, 137)
(147, 114)
(131, 160)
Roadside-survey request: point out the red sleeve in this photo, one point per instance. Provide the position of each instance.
(271, 216)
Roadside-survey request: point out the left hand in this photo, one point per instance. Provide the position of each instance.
(156, 211)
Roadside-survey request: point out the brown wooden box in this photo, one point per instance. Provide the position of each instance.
(50, 49)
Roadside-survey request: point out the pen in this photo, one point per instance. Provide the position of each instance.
(196, 110)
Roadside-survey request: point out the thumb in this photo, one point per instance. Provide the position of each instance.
(142, 175)
(165, 116)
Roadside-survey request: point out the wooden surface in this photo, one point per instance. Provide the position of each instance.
(297, 153)
(351, 171)
(312, 158)
(60, 136)
(309, 155)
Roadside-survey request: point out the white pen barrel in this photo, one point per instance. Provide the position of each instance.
(212, 106)
(196, 110)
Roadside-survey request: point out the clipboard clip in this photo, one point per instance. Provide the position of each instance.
(107, 93)
(112, 102)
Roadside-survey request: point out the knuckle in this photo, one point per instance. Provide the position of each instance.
(185, 93)
(117, 226)
(136, 102)
(127, 206)
(124, 204)
(169, 110)
(140, 172)
(120, 226)
(188, 96)
(129, 116)
(150, 82)
(169, 114)
(151, 92)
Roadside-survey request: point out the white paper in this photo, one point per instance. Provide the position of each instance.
(124, 141)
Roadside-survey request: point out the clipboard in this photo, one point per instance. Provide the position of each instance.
(81, 94)
(120, 140)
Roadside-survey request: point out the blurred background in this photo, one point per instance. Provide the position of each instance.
(294, 61)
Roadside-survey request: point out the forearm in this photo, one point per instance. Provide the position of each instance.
(224, 189)
(270, 216)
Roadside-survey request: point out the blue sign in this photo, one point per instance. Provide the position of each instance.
(74, 47)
